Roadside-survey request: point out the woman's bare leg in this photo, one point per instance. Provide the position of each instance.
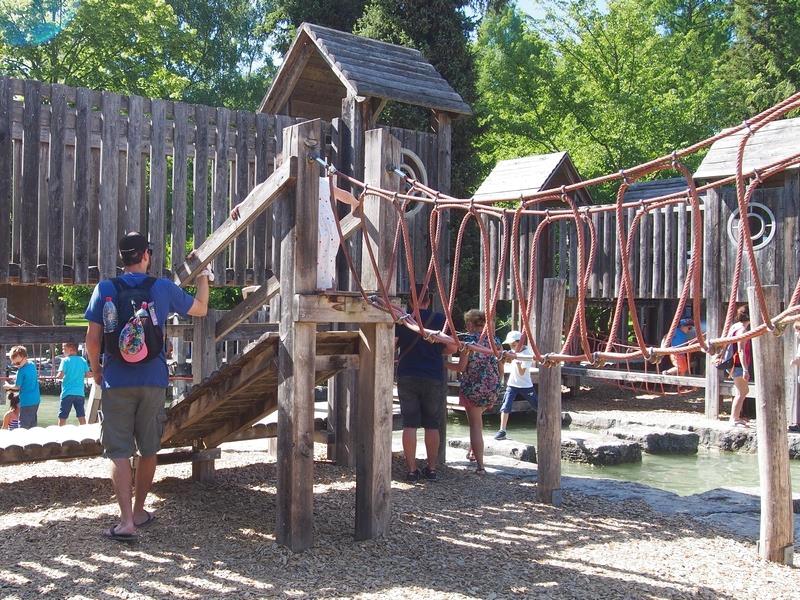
(475, 418)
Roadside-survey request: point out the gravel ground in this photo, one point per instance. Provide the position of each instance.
(466, 536)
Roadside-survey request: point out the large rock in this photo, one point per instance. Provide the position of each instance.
(492, 447)
(659, 440)
(598, 449)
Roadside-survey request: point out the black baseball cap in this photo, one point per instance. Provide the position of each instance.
(132, 246)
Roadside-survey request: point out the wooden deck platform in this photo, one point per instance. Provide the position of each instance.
(227, 406)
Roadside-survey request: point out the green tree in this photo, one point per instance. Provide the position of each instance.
(130, 47)
(285, 16)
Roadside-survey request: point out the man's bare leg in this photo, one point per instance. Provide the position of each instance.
(121, 480)
(432, 447)
(145, 471)
(410, 448)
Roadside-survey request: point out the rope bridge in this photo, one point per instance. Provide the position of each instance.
(481, 210)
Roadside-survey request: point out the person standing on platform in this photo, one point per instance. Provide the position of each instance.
(421, 388)
(519, 382)
(27, 384)
(72, 372)
(133, 375)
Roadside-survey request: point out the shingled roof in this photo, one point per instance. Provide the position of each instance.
(777, 140)
(531, 174)
(323, 66)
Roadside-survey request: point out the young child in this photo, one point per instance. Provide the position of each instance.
(27, 384)
(72, 371)
(519, 382)
(11, 418)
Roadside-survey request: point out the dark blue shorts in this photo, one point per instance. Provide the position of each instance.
(67, 402)
(513, 393)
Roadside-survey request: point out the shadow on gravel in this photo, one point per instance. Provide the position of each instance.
(477, 536)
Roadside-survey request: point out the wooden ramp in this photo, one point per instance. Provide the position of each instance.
(225, 407)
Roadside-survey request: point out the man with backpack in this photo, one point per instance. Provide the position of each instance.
(126, 316)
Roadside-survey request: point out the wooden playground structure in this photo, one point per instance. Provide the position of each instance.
(82, 168)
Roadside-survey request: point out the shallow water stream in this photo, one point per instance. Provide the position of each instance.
(683, 475)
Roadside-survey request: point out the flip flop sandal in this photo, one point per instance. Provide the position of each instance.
(113, 534)
(148, 521)
(480, 471)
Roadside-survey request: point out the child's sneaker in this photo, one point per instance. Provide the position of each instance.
(430, 474)
(500, 435)
(412, 476)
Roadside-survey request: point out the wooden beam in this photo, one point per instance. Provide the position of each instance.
(330, 308)
(776, 542)
(254, 301)
(712, 292)
(611, 375)
(336, 362)
(294, 521)
(258, 200)
(204, 347)
(548, 425)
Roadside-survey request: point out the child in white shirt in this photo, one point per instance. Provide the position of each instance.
(519, 382)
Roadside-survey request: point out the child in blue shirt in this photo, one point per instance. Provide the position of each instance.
(72, 371)
(27, 383)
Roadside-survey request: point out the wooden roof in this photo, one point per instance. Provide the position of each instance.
(324, 65)
(777, 140)
(644, 190)
(529, 175)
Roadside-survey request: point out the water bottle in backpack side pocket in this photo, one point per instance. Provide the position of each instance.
(110, 318)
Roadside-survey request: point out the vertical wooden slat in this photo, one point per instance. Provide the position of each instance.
(680, 250)
(596, 274)
(6, 183)
(179, 182)
(712, 246)
(573, 257)
(669, 253)
(608, 254)
(16, 233)
(133, 207)
(55, 247)
(44, 205)
(219, 205)
(69, 204)
(158, 186)
(82, 185)
(94, 206)
(30, 181)
(107, 259)
(263, 169)
(657, 255)
(563, 258)
(243, 124)
(633, 258)
(200, 185)
(645, 254)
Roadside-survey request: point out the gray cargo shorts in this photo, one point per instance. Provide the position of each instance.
(420, 402)
(133, 417)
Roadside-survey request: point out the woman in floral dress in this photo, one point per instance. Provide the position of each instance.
(480, 376)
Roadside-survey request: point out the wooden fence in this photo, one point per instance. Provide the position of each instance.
(79, 168)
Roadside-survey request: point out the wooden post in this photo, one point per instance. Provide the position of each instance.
(375, 374)
(204, 347)
(776, 542)
(791, 271)
(712, 292)
(548, 420)
(203, 467)
(3, 323)
(296, 352)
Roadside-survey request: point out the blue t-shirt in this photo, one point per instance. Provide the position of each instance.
(423, 359)
(168, 298)
(27, 381)
(75, 369)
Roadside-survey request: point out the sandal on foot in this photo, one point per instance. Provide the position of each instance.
(148, 521)
(480, 471)
(112, 534)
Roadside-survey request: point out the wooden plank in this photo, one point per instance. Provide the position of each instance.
(220, 201)
(712, 291)
(204, 348)
(200, 182)
(17, 210)
(6, 185)
(254, 301)
(645, 255)
(595, 274)
(158, 188)
(339, 362)
(776, 540)
(296, 354)
(55, 246)
(669, 253)
(657, 255)
(618, 254)
(179, 184)
(688, 381)
(791, 273)
(548, 420)
(572, 231)
(327, 308)
(82, 184)
(681, 247)
(374, 431)
(43, 205)
(107, 258)
(261, 197)
(264, 166)
(133, 209)
(94, 207)
(3, 301)
(30, 182)
(243, 123)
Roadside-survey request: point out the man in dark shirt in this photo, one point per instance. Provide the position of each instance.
(420, 387)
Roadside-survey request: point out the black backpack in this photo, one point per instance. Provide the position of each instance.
(128, 300)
